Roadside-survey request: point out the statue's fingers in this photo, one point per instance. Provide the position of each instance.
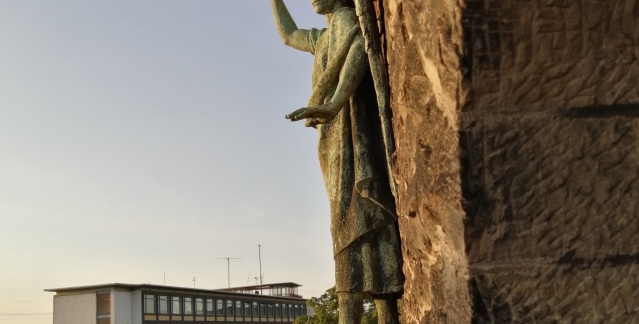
(296, 115)
(291, 115)
(304, 113)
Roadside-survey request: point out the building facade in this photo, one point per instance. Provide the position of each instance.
(156, 304)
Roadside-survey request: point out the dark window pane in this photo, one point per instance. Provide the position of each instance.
(238, 308)
(263, 312)
(229, 308)
(277, 310)
(149, 304)
(199, 306)
(210, 307)
(188, 306)
(163, 304)
(270, 310)
(175, 306)
(103, 303)
(220, 308)
(256, 309)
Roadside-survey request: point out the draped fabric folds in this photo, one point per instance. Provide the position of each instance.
(363, 222)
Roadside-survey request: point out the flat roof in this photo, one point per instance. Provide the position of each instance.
(163, 288)
(91, 287)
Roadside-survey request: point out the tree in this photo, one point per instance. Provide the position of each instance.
(325, 307)
(370, 312)
(326, 310)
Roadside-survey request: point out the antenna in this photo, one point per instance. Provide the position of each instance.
(193, 280)
(228, 267)
(248, 279)
(259, 254)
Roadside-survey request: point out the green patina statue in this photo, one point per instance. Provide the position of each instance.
(343, 108)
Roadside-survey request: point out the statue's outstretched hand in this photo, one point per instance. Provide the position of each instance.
(315, 115)
(311, 122)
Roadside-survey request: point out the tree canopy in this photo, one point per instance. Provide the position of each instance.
(326, 310)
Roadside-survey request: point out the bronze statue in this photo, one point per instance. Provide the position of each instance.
(343, 108)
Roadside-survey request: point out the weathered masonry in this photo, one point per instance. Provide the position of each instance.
(516, 125)
(155, 304)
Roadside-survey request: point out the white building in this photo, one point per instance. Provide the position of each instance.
(155, 304)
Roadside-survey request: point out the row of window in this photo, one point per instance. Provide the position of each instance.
(176, 305)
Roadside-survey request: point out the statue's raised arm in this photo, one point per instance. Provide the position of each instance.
(291, 35)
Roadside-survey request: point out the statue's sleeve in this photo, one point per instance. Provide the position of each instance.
(312, 37)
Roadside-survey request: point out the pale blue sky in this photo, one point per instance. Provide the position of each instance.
(139, 137)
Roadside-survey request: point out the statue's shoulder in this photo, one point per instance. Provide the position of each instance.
(345, 17)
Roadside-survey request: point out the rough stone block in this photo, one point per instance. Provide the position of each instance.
(552, 205)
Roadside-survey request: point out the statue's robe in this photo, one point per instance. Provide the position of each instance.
(363, 222)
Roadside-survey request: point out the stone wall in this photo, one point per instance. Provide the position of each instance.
(552, 220)
(423, 45)
(551, 163)
(516, 125)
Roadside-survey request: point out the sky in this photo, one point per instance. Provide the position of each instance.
(141, 141)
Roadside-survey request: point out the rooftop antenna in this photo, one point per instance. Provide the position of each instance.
(228, 267)
(193, 280)
(259, 254)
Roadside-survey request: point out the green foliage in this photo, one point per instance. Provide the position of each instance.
(370, 313)
(326, 310)
(325, 307)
